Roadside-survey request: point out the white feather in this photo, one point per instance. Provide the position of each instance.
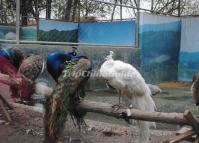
(41, 88)
(129, 82)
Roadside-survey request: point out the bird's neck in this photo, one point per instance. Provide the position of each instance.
(109, 63)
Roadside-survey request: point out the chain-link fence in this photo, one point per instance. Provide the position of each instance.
(68, 18)
(91, 22)
(7, 12)
(7, 20)
(87, 22)
(100, 26)
(73, 21)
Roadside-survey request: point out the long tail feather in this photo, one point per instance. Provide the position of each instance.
(58, 105)
(144, 103)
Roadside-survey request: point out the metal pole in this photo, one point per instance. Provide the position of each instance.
(120, 10)
(179, 8)
(79, 12)
(37, 19)
(152, 4)
(64, 43)
(17, 21)
(86, 8)
(137, 24)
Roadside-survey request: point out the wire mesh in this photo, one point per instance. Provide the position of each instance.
(85, 21)
(7, 20)
(100, 16)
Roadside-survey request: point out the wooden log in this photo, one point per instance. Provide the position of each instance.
(27, 107)
(185, 129)
(197, 139)
(105, 108)
(5, 102)
(172, 118)
(5, 111)
(181, 137)
(194, 122)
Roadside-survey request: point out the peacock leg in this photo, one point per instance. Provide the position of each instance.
(119, 105)
(119, 97)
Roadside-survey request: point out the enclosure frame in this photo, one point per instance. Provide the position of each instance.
(137, 21)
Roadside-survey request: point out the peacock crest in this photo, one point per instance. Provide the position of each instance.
(110, 56)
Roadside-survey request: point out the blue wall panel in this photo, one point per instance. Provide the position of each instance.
(189, 53)
(108, 33)
(7, 32)
(57, 31)
(28, 33)
(160, 44)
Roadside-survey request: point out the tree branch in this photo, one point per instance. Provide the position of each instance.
(107, 109)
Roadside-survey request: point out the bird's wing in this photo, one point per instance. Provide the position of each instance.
(106, 69)
(129, 77)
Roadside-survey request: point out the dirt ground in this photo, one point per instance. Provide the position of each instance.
(27, 125)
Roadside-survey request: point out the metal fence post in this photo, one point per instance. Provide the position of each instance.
(179, 8)
(17, 21)
(137, 24)
(37, 20)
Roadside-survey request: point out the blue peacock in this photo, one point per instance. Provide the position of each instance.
(67, 93)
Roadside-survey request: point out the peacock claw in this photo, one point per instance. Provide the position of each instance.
(125, 117)
(131, 106)
(117, 106)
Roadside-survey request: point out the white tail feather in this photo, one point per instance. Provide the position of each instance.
(144, 131)
(41, 88)
(144, 103)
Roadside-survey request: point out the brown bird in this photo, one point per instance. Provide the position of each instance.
(195, 88)
(19, 72)
(31, 67)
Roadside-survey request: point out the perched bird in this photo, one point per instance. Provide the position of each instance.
(14, 54)
(10, 60)
(56, 61)
(132, 87)
(21, 71)
(67, 92)
(195, 88)
(32, 66)
(30, 69)
(64, 99)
